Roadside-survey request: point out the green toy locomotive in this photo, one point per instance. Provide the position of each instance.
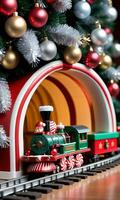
(58, 148)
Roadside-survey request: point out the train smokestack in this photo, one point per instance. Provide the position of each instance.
(45, 113)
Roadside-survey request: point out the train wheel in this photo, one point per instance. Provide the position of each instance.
(63, 164)
(71, 162)
(79, 160)
(57, 170)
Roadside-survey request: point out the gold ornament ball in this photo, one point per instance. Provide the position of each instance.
(10, 60)
(72, 54)
(15, 26)
(105, 62)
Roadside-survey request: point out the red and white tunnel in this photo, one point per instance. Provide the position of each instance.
(101, 115)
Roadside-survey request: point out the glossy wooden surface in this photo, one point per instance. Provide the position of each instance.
(105, 186)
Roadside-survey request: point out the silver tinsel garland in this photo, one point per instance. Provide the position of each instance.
(2, 52)
(28, 46)
(64, 35)
(62, 5)
(4, 140)
(5, 96)
(113, 74)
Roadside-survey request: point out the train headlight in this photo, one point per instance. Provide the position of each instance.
(39, 144)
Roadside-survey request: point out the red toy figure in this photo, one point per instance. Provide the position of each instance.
(39, 128)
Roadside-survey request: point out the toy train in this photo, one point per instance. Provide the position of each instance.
(59, 148)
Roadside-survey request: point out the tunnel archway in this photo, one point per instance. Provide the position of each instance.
(91, 82)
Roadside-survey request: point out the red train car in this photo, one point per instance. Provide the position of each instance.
(103, 142)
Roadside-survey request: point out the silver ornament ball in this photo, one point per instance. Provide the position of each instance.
(99, 37)
(82, 9)
(98, 49)
(48, 50)
(111, 14)
(109, 41)
(116, 50)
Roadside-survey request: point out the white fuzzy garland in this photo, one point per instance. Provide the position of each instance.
(62, 5)
(64, 35)
(28, 46)
(2, 52)
(4, 140)
(5, 96)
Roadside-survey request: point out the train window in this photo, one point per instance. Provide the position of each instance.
(83, 136)
(67, 137)
(80, 136)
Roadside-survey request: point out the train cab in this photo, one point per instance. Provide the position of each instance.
(78, 134)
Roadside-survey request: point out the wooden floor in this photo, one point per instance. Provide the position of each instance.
(105, 186)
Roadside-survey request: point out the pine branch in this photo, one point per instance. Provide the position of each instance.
(24, 7)
(56, 18)
(116, 103)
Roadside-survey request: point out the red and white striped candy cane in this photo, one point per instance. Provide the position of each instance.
(71, 162)
(79, 160)
(52, 127)
(63, 164)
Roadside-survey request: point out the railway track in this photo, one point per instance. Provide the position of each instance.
(21, 188)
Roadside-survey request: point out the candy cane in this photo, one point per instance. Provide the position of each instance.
(63, 164)
(79, 160)
(71, 162)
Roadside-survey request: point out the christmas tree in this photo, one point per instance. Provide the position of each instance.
(35, 32)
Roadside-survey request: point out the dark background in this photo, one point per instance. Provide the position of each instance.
(116, 4)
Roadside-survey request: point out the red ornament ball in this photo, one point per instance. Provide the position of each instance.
(90, 1)
(113, 89)
(38, 17)
(7, 7)
(118, 128)
(53, 152)
(50, 1)
(92, 59)
(108, 30)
